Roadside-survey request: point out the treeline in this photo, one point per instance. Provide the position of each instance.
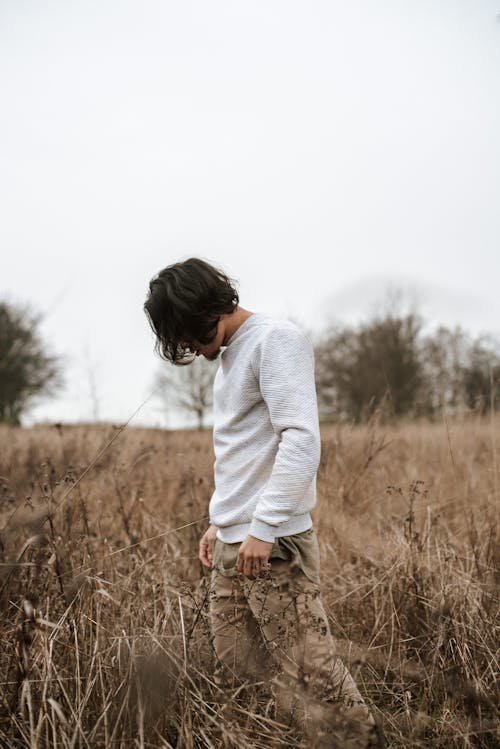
(389, 364)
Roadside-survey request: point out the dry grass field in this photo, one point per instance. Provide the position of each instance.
(104, 632)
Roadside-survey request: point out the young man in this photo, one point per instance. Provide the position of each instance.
(261, 546)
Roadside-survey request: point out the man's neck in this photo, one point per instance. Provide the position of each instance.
(233, 322)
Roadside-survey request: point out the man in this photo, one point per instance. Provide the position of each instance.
(261, 546)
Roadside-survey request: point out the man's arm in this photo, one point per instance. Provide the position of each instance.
(286, 379)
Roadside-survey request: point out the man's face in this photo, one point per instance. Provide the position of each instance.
(210, 350)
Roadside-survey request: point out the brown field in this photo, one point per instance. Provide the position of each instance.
(104, 631)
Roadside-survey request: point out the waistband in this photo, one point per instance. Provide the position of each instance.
(233, 534)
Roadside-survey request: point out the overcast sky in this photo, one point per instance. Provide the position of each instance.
(317, 151)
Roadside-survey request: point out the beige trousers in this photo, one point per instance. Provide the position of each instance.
(279, 619)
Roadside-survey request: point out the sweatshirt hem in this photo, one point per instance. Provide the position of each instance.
(233, 534)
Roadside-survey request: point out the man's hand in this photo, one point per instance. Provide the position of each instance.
(207, 546)
(253, 557)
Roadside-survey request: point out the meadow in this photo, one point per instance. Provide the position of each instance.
(104, 629)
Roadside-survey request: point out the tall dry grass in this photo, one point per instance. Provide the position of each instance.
(105, 639)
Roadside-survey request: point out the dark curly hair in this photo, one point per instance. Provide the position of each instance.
(185, 303)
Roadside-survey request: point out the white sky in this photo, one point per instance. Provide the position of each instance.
(317, 150)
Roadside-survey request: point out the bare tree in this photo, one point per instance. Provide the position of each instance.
(481, 377)
(444, 355)
(188, 388)
(27, 370)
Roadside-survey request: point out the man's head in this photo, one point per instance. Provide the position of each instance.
(185, 305)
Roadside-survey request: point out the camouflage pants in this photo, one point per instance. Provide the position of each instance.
(280, 618)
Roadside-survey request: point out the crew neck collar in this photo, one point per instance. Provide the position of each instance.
(244, 325)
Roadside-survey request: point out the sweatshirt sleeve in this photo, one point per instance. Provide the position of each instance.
(285, 370)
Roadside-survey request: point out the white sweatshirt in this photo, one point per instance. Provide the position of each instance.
(266, 432)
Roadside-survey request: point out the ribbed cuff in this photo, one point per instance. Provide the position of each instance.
(263, 531)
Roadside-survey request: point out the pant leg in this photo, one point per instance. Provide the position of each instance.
(237, 640)
(289, 611)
